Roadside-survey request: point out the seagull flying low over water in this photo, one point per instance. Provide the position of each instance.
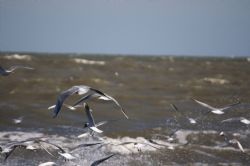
(232, 141)
(240, 119)
(215, 110)
(91, 122)
(191, 120)
(6, 72)
(29, 144)
(82, 90)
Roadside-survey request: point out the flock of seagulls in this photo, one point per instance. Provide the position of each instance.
(86, 94)
(37, 143)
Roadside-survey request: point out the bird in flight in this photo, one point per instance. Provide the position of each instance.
(83, 90)
(6, 72)
(215, 110)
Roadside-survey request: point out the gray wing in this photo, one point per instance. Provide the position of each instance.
(232, 119)
(97, 162)
(89, 115)
(230, 106)
(62, 97)
(57, 146)
(96, 92)
(204, 104)
(84, 98)
(116, 102)
(12, 68)
(13, 148)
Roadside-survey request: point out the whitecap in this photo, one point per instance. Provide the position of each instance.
(88, 62)
(18, 57)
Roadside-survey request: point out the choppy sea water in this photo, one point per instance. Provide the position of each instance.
(145, 87)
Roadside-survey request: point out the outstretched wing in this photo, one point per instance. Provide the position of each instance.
(91, 120)
(13, 148)
(62, 97)
(230, 106)
(12, 68)
(97, 162)
(204, 104)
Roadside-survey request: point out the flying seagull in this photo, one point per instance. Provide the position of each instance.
(191, 120)
(29, 144)
(6, 72)
(82, 90)
(232, 141)
(215, 110)
(235, 141)
(91, 122)
(240, 119)
(97, 162)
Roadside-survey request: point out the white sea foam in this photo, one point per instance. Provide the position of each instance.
(18, 57)
(218, 81)
(88, 62)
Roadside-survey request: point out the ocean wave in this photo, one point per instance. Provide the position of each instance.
(88, 62)
(18, 57)
(218, 81)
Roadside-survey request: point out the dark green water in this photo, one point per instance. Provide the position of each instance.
(145, 87)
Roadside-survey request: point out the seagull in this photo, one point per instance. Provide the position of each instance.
(235, 141)
(18, 120)
(6, 72)
(82, 90)
(241, 119)
(91, 122)
(28, 144)
(191, 120)
(97, 162)
(215, 110)
(232, 141)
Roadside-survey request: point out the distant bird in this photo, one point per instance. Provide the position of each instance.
(82, 90)
(97, 162)
(240, 119)
(18, 120)
(235, 141)
(215, 110)
(6, 72)
(91, 122)
(29, 144)
(191, 120)
(232, 141)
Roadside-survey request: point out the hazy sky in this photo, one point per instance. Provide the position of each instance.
(159, 27)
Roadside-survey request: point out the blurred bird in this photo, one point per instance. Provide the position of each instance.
(29, 144)
(240, 119)
(215, 110)
(6, 72)
(191, 120)
(91, 122)
(82, 90)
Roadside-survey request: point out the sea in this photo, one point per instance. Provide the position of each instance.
(158, 93)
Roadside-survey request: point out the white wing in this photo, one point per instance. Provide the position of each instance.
(204, 104)
(96, 129)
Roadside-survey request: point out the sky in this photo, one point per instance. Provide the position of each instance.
(137, 27)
